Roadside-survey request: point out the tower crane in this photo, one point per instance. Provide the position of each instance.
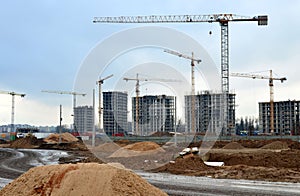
(100, 82)
(193, 82)
(13, 94)
(222, 19)
(271, 85)
(67, 93)
(137, 94)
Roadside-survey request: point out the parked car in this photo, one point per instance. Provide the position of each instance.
(20, 135)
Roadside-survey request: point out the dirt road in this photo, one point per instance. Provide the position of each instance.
(14, 162)
(191, 185)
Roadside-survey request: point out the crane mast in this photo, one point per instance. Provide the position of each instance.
(271, 86)
(137, 95)
(13, 94)
(67, 93)
(100, 82)
(193, 127)
(222, 19)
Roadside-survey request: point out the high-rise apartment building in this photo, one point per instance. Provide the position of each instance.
(84, 118)
(286, 117)
(155, 114)
(115, 112)
(208, 112)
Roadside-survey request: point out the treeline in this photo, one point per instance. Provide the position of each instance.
(247, 126)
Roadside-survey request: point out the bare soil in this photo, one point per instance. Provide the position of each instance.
(79, 179)
(271, 160)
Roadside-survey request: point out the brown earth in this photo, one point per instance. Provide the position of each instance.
(272, 160)
(277, 145)
(142, 146)
(233, 145)
(65, 137)
(79, 179)
(184, 165)
(27, 142)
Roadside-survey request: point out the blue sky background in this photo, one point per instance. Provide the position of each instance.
(43, 44)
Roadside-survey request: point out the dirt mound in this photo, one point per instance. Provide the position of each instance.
(160, 134)
(256, 173)
(65, 137)
(278, 145)
(188, 164)
(107, 147)
(138, 149)
(233, 145)
(27, 142)
(79, 179)
(142, 146)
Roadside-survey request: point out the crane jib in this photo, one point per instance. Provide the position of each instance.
(221, 18)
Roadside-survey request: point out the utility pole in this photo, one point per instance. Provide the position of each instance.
(68, 93)
(94, 131)
(60, 120)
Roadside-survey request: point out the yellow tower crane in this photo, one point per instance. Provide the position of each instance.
(193, 127)
(271, 85)
(137, 94)
(13, 94)
(100, 82)
(222, 19)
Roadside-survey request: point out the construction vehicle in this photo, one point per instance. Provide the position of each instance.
(222, 19)
(271, 85)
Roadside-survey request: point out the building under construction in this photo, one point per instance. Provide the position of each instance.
(84, 118)
(155, 114)
(115, 112)
(286, 117)
(208, 112)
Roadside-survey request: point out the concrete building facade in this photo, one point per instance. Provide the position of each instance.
(286, 117)
(156, 113)
(84, 118)
(115, 112)
(208, 112)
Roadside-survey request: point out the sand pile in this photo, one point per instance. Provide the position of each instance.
(65, 137)
(278, 145)
(107, 147)
(233, 145)
(138, 149)
(142, 146)
(80, 179)
(27, 142)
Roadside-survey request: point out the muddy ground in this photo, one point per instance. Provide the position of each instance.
(250, 159)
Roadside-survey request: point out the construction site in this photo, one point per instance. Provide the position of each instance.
(135, 144)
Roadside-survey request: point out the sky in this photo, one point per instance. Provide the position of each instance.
(44, 45)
